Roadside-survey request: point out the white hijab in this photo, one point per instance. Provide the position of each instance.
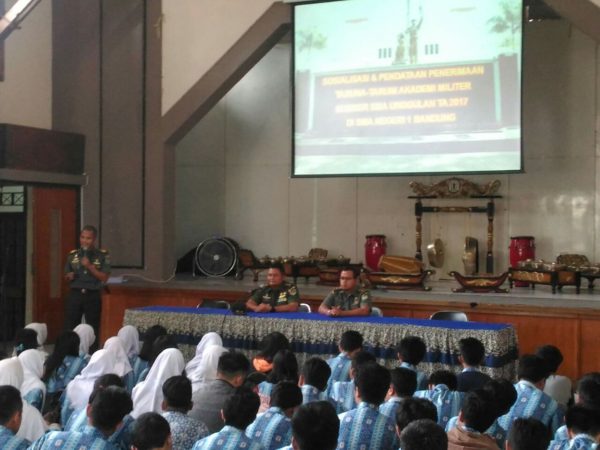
(208, 339)
(131, 340)
(32, 425)
(147, 395)
(86, 337)
(32, 362)
(207, 371)
(79, 389)
(42, 331)
(115, 346)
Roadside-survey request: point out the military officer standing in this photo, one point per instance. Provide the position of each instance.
(276, 296)
(347, 300)
(87, 269)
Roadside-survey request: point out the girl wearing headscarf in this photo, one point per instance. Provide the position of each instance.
(42, 332)
(78, 391)
(122, 366)
(207, 370)
(86, 338)
(152, 333)
(32, 423)
(33, 389)
(63, 364)
(147, 395)
(131, 343)
(208, 339)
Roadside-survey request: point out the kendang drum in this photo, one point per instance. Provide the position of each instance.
(521, 248)
(375, 248)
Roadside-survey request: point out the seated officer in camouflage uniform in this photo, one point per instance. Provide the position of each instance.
(347, 300)
(276, 296)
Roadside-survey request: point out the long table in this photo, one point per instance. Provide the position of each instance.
(317, 335)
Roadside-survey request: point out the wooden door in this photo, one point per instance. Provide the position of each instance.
(55, 233)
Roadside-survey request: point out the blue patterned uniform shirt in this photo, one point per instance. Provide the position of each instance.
(121, 438)
(579, 442)
(69, 369)
(8, 440)
(312, 394)
(89, 439)
(495, 431)
(229, 438)
(390, 407)
(139, 366)
(342, 396)
(35, 398)
(366, 428)
(272, 429)
(447, 402)
(421, 376)
(533, 402)
(340, 368)
(185, 430)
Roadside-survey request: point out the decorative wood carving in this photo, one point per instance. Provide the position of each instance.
(455, 188)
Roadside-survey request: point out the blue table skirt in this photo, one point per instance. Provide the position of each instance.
(315, 334)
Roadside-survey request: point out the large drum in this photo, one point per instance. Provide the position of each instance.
(375, 248)
(521, 248)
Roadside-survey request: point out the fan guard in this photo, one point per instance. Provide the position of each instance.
(216, 257)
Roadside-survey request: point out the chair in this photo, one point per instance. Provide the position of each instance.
(376, 312)
(217, 304)
(455, 316)
(304, 307)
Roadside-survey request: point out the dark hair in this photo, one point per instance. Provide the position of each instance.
(472, 351)
(233, 363)
(150, 431)
(351, 340)
(404, 381)
(161, 343)
(91, 228)
(10, 403)
(177, 392)
(588, 390)
(581, 419)
(532, 368)
(478, 410)
(528, 434)
(551, 355)
(149, 337)
(372, 382)
(109, 407)
(443, 377)
(240, 409)
(25, 339)
(104, 381)
(413, 408)
(285, 367)
(67, 344)
(278, 266)
(286, 395)
(355, 272)
(423, 434)
(412, 350)
(271, 344)
(315, 426)
(360, 359)
(504, 394)
(316, 372)
(254, 379)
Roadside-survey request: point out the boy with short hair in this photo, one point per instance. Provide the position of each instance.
(151, 432)
(11, 410)
(273, 428)
(410, 351)
(238, 412)
(365, 426)
(442, 392)
(557, 386)
(342, 392)
(177, 401)
(313, 380)
(403, 385)
(350, 344)
(472, 353)
(423, 434)
(476, 416)
(528, 434)
(315, 426)
(583, 425)
(412, 409)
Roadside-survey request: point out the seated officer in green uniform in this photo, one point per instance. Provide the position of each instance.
(347, 300)
(86, 270)
(276, 296)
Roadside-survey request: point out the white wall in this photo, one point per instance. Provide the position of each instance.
(26, 92)
(266, 211)
(191, 43)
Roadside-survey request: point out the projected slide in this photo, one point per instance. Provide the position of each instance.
(407, 86)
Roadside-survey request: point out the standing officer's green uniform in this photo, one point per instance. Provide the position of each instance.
(284, 294)
(346, 301)
(85, 295)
